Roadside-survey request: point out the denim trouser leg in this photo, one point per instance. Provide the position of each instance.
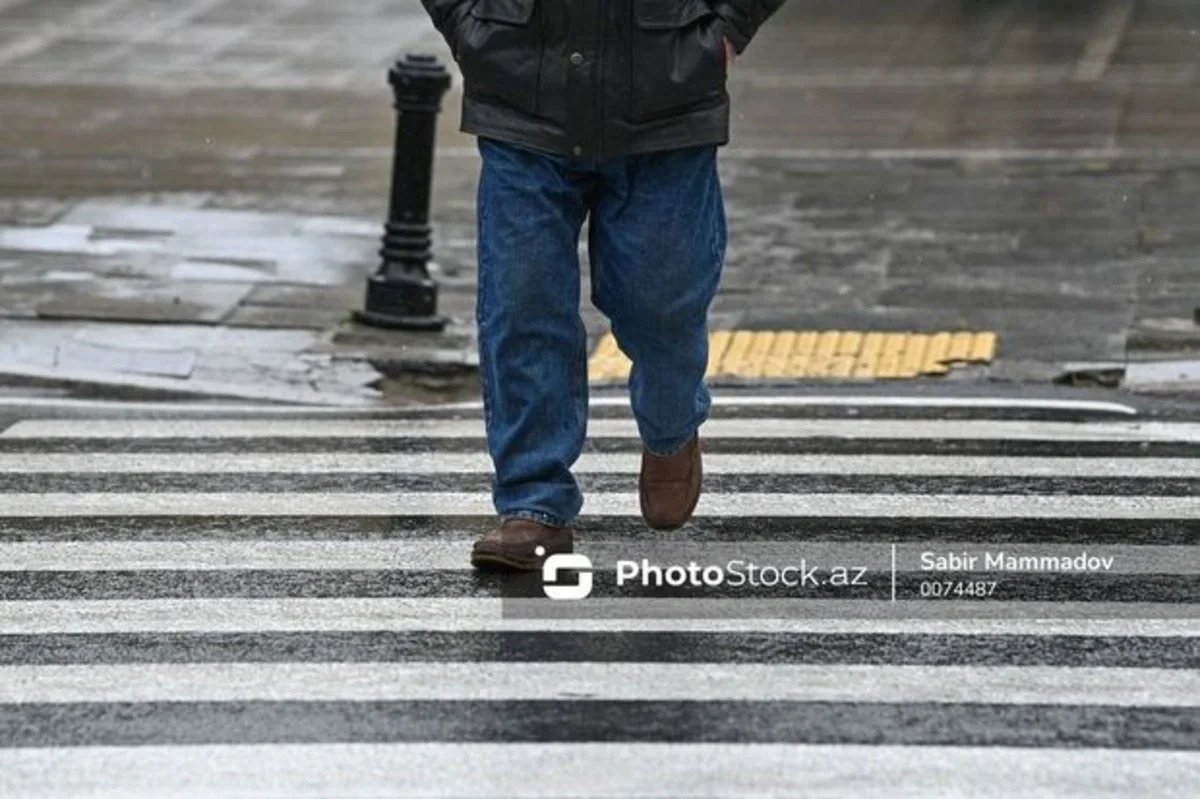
(532, 343)
(657, 244)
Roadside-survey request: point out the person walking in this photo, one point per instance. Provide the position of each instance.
(609, 111)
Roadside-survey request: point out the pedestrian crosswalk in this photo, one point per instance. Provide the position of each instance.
(284, 607)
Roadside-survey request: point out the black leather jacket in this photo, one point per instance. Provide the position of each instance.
(597, 78)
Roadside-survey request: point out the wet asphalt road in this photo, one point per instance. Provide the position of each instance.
(284, 608)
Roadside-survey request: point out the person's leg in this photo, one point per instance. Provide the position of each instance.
(532, 345)
(657, 246)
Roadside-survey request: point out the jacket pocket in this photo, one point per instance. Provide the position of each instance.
(677, 58)
(500, 52)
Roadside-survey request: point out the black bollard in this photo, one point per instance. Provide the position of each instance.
(401, 294)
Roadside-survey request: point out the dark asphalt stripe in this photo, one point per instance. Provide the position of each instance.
(867, 649)
(263, 584)
(548, 721)
(714, 483)
(800, 445)
(1094, 532)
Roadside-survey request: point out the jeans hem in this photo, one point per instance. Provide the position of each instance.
(673, 449)
(537, 516)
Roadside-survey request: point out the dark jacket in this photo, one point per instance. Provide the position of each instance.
(597, 78)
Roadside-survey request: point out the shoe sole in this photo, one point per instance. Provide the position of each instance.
(488, 561)
(669, 527)
(495, 560)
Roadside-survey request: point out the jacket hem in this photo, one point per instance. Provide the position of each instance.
(703, 128)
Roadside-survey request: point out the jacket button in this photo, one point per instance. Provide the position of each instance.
(576, 58)
(577, 150)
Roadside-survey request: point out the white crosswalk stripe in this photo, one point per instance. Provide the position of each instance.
(446, 554)
(114, 616)
(596, 463)
(275, 637)
(624, 428)
(479, 770)
(793, 506)
(231, 682)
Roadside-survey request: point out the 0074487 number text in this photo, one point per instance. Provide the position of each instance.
(952, 588)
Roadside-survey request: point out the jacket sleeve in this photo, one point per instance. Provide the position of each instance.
(743, 18)
(446, 15)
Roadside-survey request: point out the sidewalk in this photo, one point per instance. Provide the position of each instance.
(191, 208)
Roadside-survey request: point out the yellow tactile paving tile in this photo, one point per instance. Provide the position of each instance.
(735, 355)
(983, 348)
(850, 342)
(822, 358)
(868, 357)
(889, 359)
(935, 354)
(913, 355)
(756, 354)
(718, 343)
(820, 354)
(960, 346)
(780, 355)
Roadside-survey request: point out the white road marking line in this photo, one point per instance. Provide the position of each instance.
(449, 553)
(395, 682)
(472, 504)
(45, 617)
(760, 429)
(575, 771)
(720, 399)
(447, 463)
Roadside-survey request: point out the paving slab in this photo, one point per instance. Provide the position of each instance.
(73, 238)
(1168, 377)
(326, 298)
(119, 385)
(21, 301)
(181, 360)
(65, 346)
(225, 270)
(233, 246)
(274, 316)
(32, 211)
(147, 301)
(83, 355)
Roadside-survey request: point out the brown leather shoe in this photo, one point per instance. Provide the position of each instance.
(669, 486)
(514, 545)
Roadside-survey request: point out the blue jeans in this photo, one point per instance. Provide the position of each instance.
(656, 245)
